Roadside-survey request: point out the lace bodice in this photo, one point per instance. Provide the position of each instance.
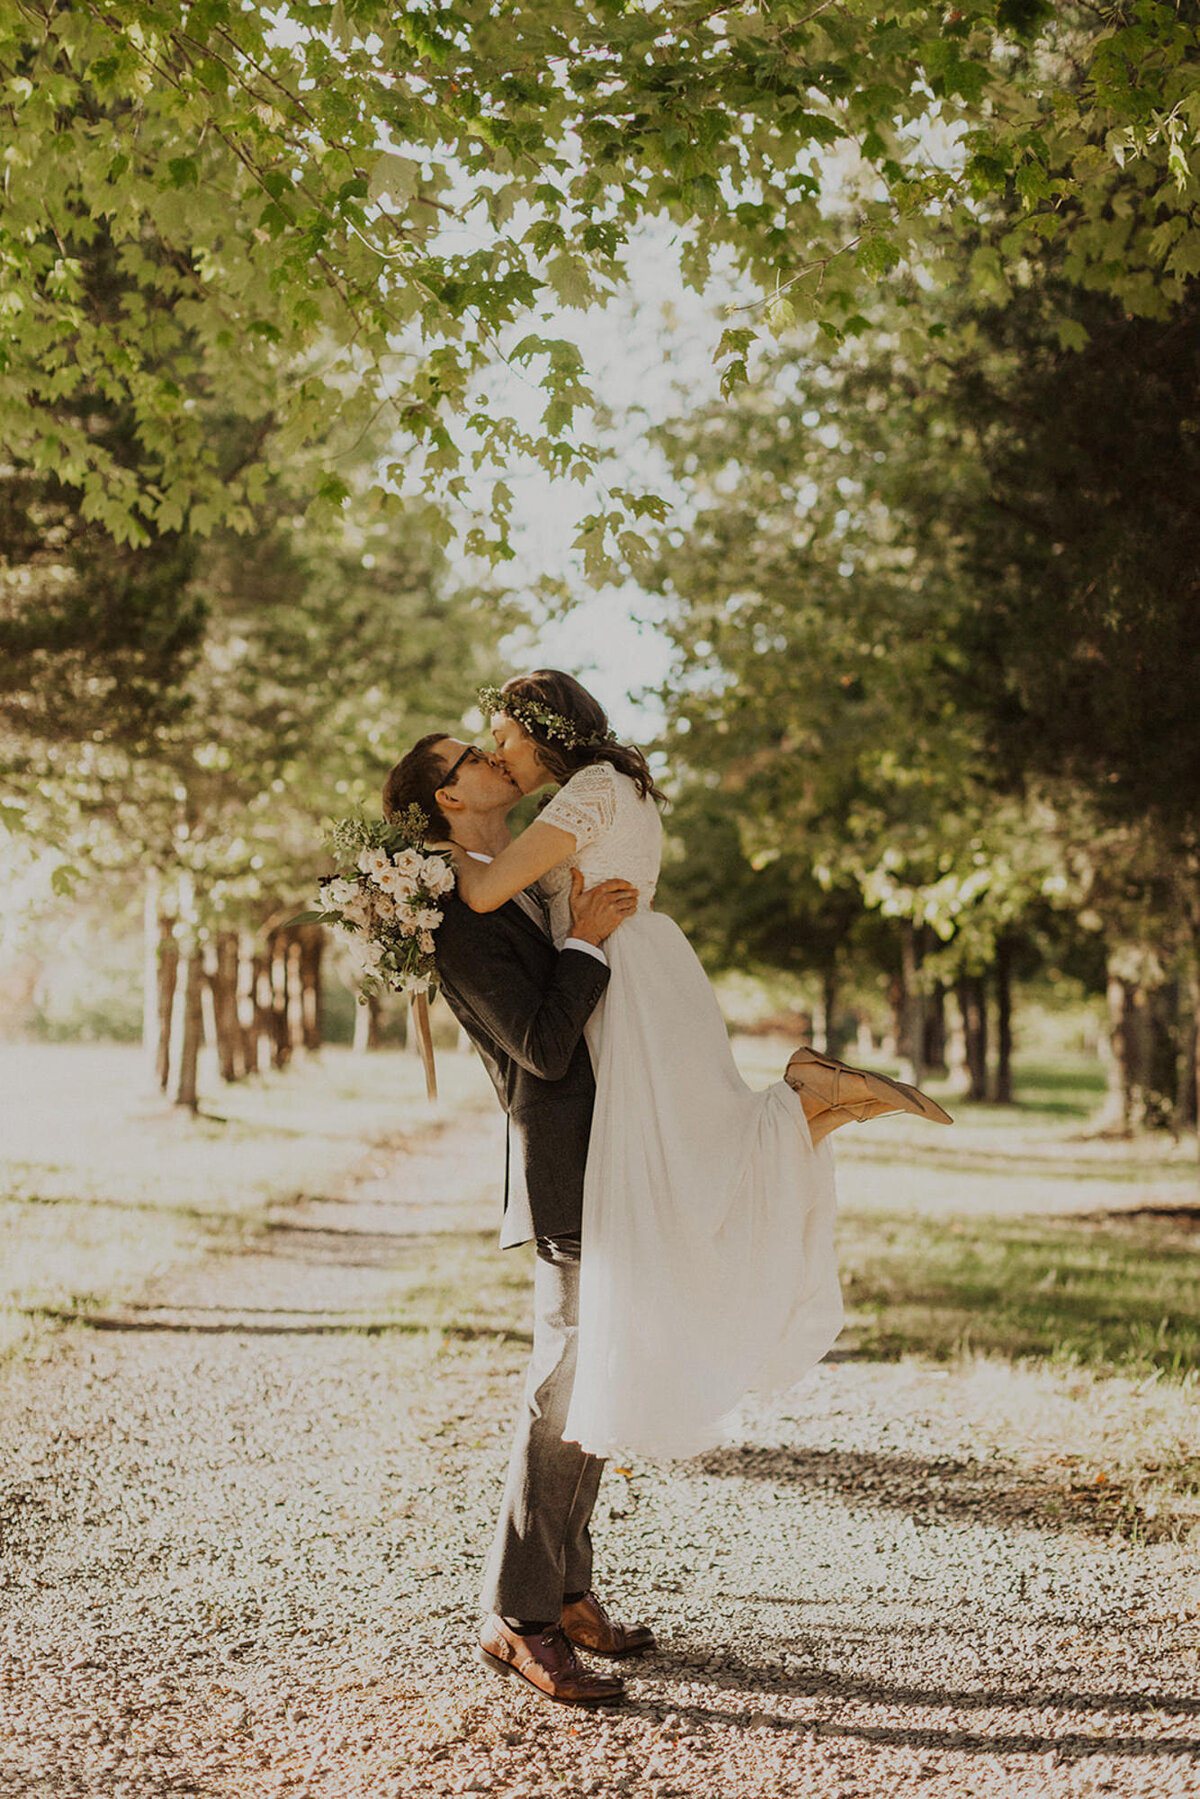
(616, 832)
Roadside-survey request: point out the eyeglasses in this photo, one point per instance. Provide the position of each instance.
(470, 751)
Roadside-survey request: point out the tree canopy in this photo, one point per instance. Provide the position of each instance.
(334, 214)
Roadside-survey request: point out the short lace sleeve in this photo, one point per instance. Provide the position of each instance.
(586, 806)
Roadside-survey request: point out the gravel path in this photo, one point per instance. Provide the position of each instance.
(241, 1527)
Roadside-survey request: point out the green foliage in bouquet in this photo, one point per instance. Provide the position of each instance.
(349, 837)
(384, 899)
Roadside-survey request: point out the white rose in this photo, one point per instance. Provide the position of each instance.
(385, 907)
(437, 875)
(358, 910)
(373, 862)
(340, 891)
(427, 918)
(425, 940)
(401, 886)
(408, 862)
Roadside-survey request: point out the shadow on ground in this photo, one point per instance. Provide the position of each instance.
(938, 1489)
(924, 1735)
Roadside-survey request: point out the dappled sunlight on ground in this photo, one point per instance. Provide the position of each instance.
(247, 1483)
(1041, 1156)
(104, 1184)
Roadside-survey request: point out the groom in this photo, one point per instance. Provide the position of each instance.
(524, 1005)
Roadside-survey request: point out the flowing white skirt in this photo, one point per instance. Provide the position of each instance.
(708, 1268)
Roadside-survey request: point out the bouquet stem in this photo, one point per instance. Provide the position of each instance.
(420, 1014)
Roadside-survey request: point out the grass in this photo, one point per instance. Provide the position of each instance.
(1071, 1088)
(1116, 1294)
(1024, 1235)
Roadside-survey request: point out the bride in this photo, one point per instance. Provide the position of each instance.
(708, 1268)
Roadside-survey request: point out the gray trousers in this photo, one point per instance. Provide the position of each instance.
(542, 1547)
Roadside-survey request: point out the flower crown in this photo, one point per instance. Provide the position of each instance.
(533, 713)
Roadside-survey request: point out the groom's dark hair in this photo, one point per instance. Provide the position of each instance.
(414, 782)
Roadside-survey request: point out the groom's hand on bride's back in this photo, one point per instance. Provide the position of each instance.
(596, 912)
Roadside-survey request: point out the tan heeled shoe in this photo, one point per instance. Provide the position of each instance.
(842, 1100)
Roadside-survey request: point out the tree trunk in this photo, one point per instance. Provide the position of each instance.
(1194, 1082)
(193, 1032)
(244, 1003)
(226, 1027)
(262, 1017)
(367, 1025)
(1122, 1038)
(972, 1003)
(150, 998)
(295, 992)
(167, 977)
(1189, 1058)
(826, 1031)
(312, 948)
(1003, 1094)
(935, 1029)
(1147, 1084)
(1165, 1039)
(912, 1007)
(1191, 908)
(277, 961)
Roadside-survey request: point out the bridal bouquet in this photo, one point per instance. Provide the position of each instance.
(383, 899)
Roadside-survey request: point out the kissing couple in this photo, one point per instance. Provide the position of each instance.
(683, 1221)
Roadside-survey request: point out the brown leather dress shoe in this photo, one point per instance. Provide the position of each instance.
(548, 1663)
(588, 1624)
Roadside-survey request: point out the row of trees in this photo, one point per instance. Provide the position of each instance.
(187, 713)
(257, 996)
(933, 611)
(315, 657)
(938, 639)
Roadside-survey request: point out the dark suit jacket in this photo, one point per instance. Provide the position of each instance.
(524, 1005)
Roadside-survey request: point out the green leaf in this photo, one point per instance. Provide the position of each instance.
(780, 315)
(1185, 257)
(397, 176)
(333, 490)
(1072, 334)
(877, 256)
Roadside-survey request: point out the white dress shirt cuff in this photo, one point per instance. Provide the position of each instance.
(589, 949)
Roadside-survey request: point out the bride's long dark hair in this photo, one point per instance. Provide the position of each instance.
(562, 693)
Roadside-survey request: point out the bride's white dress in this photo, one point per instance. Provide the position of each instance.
(708, 1268)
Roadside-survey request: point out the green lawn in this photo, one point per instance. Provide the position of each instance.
(1112, 1287)
(1118, 1294)
(1020, 1231)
